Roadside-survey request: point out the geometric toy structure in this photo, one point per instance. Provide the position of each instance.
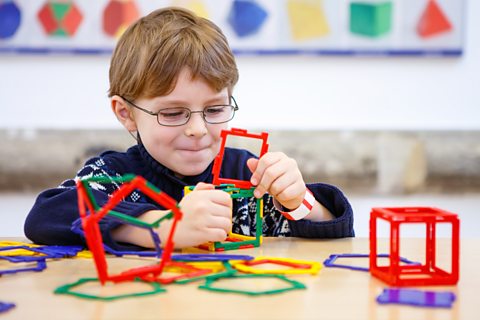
(10, 18)
(236, 189)
(289, 284)
(331, 261)
(91, 214)
(118, 15)
(60, 18)
(5, 306)
(370, 19)
(294, 266)
(67, 289)
(307, 19)
(428, 273)
(217, 164)
(246, 17)
(237, 241)
(433, 21)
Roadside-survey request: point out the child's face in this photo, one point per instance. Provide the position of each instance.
(188, 149)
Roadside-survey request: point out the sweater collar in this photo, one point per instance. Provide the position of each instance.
(156, 172)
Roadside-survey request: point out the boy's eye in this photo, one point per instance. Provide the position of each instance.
(213, 111)
(173, 113)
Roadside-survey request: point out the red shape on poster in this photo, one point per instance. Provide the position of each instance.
(118, 15)
(60, 18)
(433, 21)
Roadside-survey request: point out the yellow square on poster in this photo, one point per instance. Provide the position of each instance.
(307, 19)
(196, 6)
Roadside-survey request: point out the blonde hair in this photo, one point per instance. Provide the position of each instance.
(151, 53)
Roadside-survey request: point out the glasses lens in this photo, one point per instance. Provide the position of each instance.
(218, 114)
(173, 116)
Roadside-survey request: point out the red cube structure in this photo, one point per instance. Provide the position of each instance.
(427, 272)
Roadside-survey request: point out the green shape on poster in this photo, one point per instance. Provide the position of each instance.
(60, 10)
(60, 32)
(371, 19)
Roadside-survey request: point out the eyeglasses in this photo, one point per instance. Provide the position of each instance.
(174, 117)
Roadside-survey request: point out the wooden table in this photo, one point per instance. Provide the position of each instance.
(332, 294)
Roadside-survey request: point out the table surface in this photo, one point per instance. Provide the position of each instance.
(332, 294)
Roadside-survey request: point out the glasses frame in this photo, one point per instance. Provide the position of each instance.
(234, 107)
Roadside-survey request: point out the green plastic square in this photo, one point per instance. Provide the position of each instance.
(371, 19)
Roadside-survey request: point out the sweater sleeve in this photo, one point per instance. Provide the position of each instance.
(335, 201)
(51, 217)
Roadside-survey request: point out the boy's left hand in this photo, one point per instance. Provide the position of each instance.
(278, 175)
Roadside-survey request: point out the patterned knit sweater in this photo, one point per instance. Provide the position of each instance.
(52, 215)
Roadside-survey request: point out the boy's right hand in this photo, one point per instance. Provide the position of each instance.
(207, 216)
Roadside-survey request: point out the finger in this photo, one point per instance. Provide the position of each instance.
(216, 234)
(221, 198)
(263, 163)
(204, 186)
(252, 166)
(220, 222)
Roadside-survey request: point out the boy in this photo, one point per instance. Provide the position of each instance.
(171, 80)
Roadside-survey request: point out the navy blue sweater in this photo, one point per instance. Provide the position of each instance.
(50, 219)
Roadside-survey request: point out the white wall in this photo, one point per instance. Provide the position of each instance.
(291, 92)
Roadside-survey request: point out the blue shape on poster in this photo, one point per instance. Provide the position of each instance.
(246, 17)
(9, 19)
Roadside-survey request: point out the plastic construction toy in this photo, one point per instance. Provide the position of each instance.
(371, 19)
(225, 270)
(213, 284)
(236, 241)
(196, 257)
(294, 266)
(417, 298)
(217, 164)
(236, 189)
(76, 228)
(428, 273)
(5, 306)
(40, 262)
(331, 262)
(91, 214)
(67, 289)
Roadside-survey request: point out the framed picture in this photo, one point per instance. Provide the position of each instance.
(254, 27)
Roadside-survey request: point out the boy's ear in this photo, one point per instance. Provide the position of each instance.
(123, 113)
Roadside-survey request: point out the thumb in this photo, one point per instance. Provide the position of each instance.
(252, 164)
(204, 186)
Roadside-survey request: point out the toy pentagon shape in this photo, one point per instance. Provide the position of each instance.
(293, 266)
(428, 273)
(90, 222)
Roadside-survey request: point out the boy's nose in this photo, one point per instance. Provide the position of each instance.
(196, 125)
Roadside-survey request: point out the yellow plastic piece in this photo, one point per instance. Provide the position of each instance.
(313, 269)
(18, 252)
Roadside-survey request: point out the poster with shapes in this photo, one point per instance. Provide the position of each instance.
(255, 27)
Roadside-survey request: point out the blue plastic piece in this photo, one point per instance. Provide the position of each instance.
(41, 265)
(331, 261)
(246, 17)
(10, 18)
(5, 306)
(418, 298)
(209, 257)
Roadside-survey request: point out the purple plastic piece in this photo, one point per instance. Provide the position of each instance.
(76, 228)
(331, 261)
(5, 306)
(210, 257)
(418, 298)
(41, 265)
